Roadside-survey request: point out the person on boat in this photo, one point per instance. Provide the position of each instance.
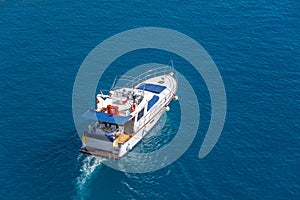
(134, 94)
(134, 97)
(107, 125)
(124, 93)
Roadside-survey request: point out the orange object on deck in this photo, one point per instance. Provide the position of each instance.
(132, 107)
(114, 110)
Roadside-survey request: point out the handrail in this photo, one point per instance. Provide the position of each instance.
(133, 81)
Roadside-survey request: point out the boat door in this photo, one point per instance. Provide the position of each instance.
(129, 126)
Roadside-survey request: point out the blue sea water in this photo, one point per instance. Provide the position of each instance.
(255, 45)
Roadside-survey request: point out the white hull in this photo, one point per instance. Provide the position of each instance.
(127, 146)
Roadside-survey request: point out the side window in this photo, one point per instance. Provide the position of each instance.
(140, 114)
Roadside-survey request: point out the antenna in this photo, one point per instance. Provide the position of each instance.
(113, 83)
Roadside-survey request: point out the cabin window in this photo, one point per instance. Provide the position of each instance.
(152, 102)
(140, 114)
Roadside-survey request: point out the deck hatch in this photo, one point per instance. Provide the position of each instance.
(157, 89)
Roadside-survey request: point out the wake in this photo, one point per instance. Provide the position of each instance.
(89, 164)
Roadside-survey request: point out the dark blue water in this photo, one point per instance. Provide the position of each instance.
(255, 45)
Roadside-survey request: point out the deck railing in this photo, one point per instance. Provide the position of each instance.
(130, 81)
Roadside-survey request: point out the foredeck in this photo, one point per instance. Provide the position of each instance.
(163, 80)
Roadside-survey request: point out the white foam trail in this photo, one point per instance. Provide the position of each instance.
(89, 164)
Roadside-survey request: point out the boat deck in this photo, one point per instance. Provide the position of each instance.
(123, 97)
(164, 80)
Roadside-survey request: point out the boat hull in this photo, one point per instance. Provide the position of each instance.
(152, 99)
(126, 147)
